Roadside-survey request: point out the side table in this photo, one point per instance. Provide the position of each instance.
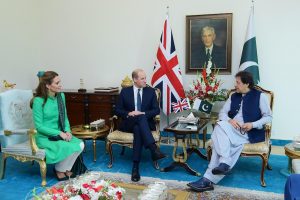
(83, 133)
(291, 153)
(180, 133)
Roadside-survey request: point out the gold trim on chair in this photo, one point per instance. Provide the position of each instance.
(24, 158)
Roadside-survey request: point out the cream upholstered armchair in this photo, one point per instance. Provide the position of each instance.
(261, 149)
(125, 139)
(17, 132)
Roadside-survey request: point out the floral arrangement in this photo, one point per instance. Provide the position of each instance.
(207, 86)
(83, 189)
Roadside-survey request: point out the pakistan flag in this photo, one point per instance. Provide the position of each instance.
(249, 61)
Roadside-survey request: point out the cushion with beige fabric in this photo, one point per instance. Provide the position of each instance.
(261, 149)
(118, 136)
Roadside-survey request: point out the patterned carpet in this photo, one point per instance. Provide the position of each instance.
(243, 183)
(220, 192)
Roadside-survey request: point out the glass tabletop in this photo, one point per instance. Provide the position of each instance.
(186, 128)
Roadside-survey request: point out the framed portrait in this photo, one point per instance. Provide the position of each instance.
(208, 38)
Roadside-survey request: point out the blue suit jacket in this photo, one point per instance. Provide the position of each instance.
(125, 104)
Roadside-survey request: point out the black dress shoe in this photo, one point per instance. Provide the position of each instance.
(157, 155)
(203, 184)
(135, 175)
(60, 179)
(222, 169)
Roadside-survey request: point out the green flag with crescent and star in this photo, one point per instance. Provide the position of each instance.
(202, 105)
(249, 60)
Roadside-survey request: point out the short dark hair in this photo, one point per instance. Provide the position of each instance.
(246, 78)
(135, 73)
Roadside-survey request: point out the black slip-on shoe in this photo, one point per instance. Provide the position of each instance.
(203, 184)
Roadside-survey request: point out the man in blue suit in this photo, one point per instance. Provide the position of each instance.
(137, 105)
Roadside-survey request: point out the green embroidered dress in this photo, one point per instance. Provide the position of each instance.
(46, 123)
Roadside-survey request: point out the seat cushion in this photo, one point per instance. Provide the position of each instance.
(23, 149)
(124, 137)
(260, 147)
(296, 166)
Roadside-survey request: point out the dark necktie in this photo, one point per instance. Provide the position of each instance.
(208, 55)
(139, 100)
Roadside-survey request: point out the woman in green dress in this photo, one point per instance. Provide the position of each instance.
(53, 127)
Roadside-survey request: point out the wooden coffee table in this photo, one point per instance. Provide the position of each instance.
(84, 134)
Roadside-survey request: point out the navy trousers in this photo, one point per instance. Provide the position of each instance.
(292, 187)
(142, 136)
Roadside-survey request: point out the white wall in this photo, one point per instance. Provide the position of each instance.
(102, 41)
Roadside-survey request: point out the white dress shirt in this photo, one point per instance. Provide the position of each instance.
(264, 108)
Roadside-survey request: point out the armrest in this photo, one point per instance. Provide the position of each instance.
(113, 121)
(31, 137)
(31, 134)
(157, 118)
(157, 122)
(17, 132)
(267, 128)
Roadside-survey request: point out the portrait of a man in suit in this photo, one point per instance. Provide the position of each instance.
(208, 51)
(208, 38)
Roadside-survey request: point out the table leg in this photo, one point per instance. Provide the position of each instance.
(204, 136)
(94, 147)
(194, 148)
(287, 172)
(180, 159)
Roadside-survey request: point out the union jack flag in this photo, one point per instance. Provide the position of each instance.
(181, 105)
(166, 73)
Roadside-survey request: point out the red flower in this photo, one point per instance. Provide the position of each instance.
(85, 197)
(119, 195)
(97, 189)
(206, 87)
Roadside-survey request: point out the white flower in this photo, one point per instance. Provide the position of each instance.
(208, 69)
(77, 197)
